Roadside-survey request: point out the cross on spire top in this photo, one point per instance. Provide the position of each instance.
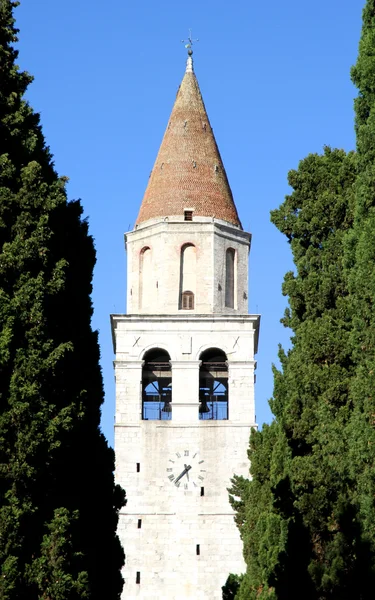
(189, 43)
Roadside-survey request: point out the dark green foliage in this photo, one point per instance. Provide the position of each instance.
(361, 268)
(313, 488)
(58, 501)
(231, 587)
(293, 515)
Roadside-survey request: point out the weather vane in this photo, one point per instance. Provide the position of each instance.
(189, 43)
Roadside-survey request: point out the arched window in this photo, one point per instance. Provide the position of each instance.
(156, 386)
(230, 276)
(213, 385)
(188, 268)
(145, 270)
(187, 300)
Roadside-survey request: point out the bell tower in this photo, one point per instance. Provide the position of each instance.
(184, 368)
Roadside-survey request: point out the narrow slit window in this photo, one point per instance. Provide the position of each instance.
(138, 577)
(188, 276)
(198, 550)
(188, 215)
(145, 277)
(229, 277)
(138, 467)
(139, 523)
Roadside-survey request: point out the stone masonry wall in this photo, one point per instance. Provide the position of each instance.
(166, 239)
(162, 526)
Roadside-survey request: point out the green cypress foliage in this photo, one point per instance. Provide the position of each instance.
(361, 268)
(297, 524)
(231, 587)
(307, 518)
(58, 502)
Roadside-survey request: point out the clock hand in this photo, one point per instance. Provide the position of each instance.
(187, 468)
(187, 472)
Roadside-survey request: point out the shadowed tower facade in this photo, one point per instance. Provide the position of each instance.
(184, 368)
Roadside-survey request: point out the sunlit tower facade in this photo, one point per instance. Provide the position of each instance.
(184, 368)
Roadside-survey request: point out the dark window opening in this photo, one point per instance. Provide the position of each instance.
(156, 386)
(138, 467)
(187, 300)
(188, 215)
(229, 278)
(138, 577)
(198, 550)
(139, 523)
(213, 385)
(202, 491)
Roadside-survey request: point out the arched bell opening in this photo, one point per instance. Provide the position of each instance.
(213, 385)
(156, 386)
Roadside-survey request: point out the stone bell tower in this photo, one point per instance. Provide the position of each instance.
(184, 368)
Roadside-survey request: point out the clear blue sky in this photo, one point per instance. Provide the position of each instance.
(275, 80)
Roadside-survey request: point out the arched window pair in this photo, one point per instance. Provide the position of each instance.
(157, 385)
(188, 277)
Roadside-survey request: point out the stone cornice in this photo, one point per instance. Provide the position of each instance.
(188, 424)
(192, 318)
(186, 364)
(183, 318)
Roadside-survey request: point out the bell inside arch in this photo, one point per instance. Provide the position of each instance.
(203, 408)
(167, 407)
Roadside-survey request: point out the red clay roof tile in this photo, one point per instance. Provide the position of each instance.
(188, 172)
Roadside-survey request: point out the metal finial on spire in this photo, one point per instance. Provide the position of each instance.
(188, 45)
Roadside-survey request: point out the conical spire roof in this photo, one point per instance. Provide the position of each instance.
(188, 172)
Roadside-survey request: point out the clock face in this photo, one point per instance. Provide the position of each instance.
(186, 470)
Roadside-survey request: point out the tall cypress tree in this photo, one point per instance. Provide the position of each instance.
(58, 501)
(361, 268)
(313, 488)
(299, 528)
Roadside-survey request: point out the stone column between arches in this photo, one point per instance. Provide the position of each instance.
(241, 391)
(185, 386)
(128, 377)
